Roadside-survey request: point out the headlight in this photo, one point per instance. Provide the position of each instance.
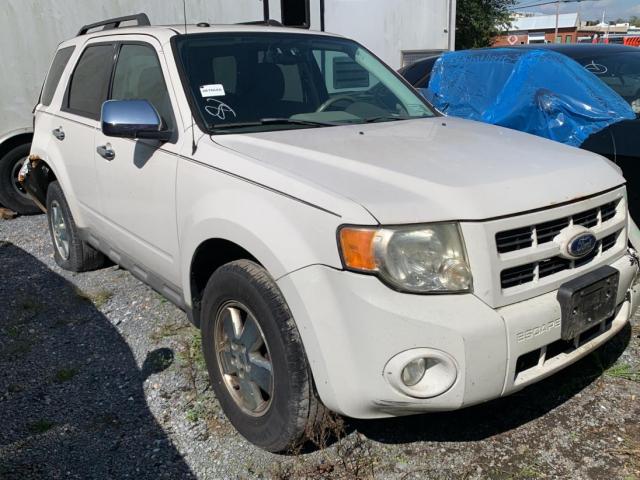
(417, 259)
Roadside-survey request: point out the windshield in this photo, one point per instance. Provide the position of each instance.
(248, 82)
(621, 71)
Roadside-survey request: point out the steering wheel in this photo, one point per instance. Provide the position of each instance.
(333, 100)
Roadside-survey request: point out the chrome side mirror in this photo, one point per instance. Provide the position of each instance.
(132, 119)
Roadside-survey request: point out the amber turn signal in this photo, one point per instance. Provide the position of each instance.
(357, 246)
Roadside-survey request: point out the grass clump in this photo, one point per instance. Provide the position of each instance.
(99, 298)
(40, 426)
(28, 304)
(342, 456)
(168, 330)
(65, 374)
(624, 371)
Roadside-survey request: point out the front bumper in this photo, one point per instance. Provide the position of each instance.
(352, 325)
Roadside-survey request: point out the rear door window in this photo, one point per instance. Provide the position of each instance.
(89, 84)
(55, 72)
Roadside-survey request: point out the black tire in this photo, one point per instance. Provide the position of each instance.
(80, 257)
(295, 411)
(11, 195)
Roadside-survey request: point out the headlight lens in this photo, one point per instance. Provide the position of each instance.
(418, 259)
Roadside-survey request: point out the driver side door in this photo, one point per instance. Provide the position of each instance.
(136, 178)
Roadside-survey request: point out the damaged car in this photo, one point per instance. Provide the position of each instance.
(339, 243)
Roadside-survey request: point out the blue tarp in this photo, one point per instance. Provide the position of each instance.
(535, 91)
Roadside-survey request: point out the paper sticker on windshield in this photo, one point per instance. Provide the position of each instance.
(214, 90)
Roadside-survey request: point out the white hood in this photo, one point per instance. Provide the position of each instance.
(432, 169)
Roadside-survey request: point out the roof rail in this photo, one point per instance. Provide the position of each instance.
(268, 23)
(110, 24)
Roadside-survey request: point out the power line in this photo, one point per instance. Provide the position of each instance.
(520, 7)
(551, 2)
(532, 5)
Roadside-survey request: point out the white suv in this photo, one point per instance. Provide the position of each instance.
(340, 244)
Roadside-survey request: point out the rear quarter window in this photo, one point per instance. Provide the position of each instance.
(89, 84)
(55, 72)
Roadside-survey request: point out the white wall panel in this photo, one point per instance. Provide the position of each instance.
(30, 31)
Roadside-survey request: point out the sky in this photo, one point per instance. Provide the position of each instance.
(589, 9)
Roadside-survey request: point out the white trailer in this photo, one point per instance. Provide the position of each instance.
(398, 31)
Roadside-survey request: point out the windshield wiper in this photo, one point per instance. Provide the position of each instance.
(295, 121)
(272, 121)
(384, 118)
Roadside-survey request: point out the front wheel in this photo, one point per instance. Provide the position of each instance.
(256, 360)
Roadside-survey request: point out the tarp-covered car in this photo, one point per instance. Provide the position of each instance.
(581, 95)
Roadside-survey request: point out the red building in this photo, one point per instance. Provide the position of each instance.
(526, 29)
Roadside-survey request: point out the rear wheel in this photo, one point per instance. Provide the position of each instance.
(70, 252)
(12, 194)
(256, 360)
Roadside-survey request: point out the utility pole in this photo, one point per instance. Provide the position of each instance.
(557, 20)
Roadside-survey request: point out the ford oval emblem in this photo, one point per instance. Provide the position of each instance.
(582, 245)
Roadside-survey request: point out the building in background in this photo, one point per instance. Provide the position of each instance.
(530, 28)
(619, 33)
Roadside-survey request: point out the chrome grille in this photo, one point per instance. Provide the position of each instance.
(553, 265)
(518, 275)
(587, 219)
(518, 257)
(530, 272)
(514, 239)
(525, 237)
(608, 211)
(546, 231)
(609, 242)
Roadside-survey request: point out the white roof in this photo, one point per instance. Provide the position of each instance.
(544, 22)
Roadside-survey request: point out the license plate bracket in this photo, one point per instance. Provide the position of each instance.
(587, 300)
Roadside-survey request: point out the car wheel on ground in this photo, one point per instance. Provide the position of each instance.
(70, 252)
(256, 360)
(12, 194)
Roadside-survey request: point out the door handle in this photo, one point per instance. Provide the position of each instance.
(58, 133)
(105, 151)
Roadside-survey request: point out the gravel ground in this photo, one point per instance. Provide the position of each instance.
(103, 378)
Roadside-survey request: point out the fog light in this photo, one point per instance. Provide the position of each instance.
(421, 372)
(414, 371)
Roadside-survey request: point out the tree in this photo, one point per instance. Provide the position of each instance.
(634, 20)
(479, 21)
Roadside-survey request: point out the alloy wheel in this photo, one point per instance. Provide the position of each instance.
(59, 229)
(243, 358)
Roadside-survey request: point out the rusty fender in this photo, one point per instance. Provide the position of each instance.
(35, 176)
